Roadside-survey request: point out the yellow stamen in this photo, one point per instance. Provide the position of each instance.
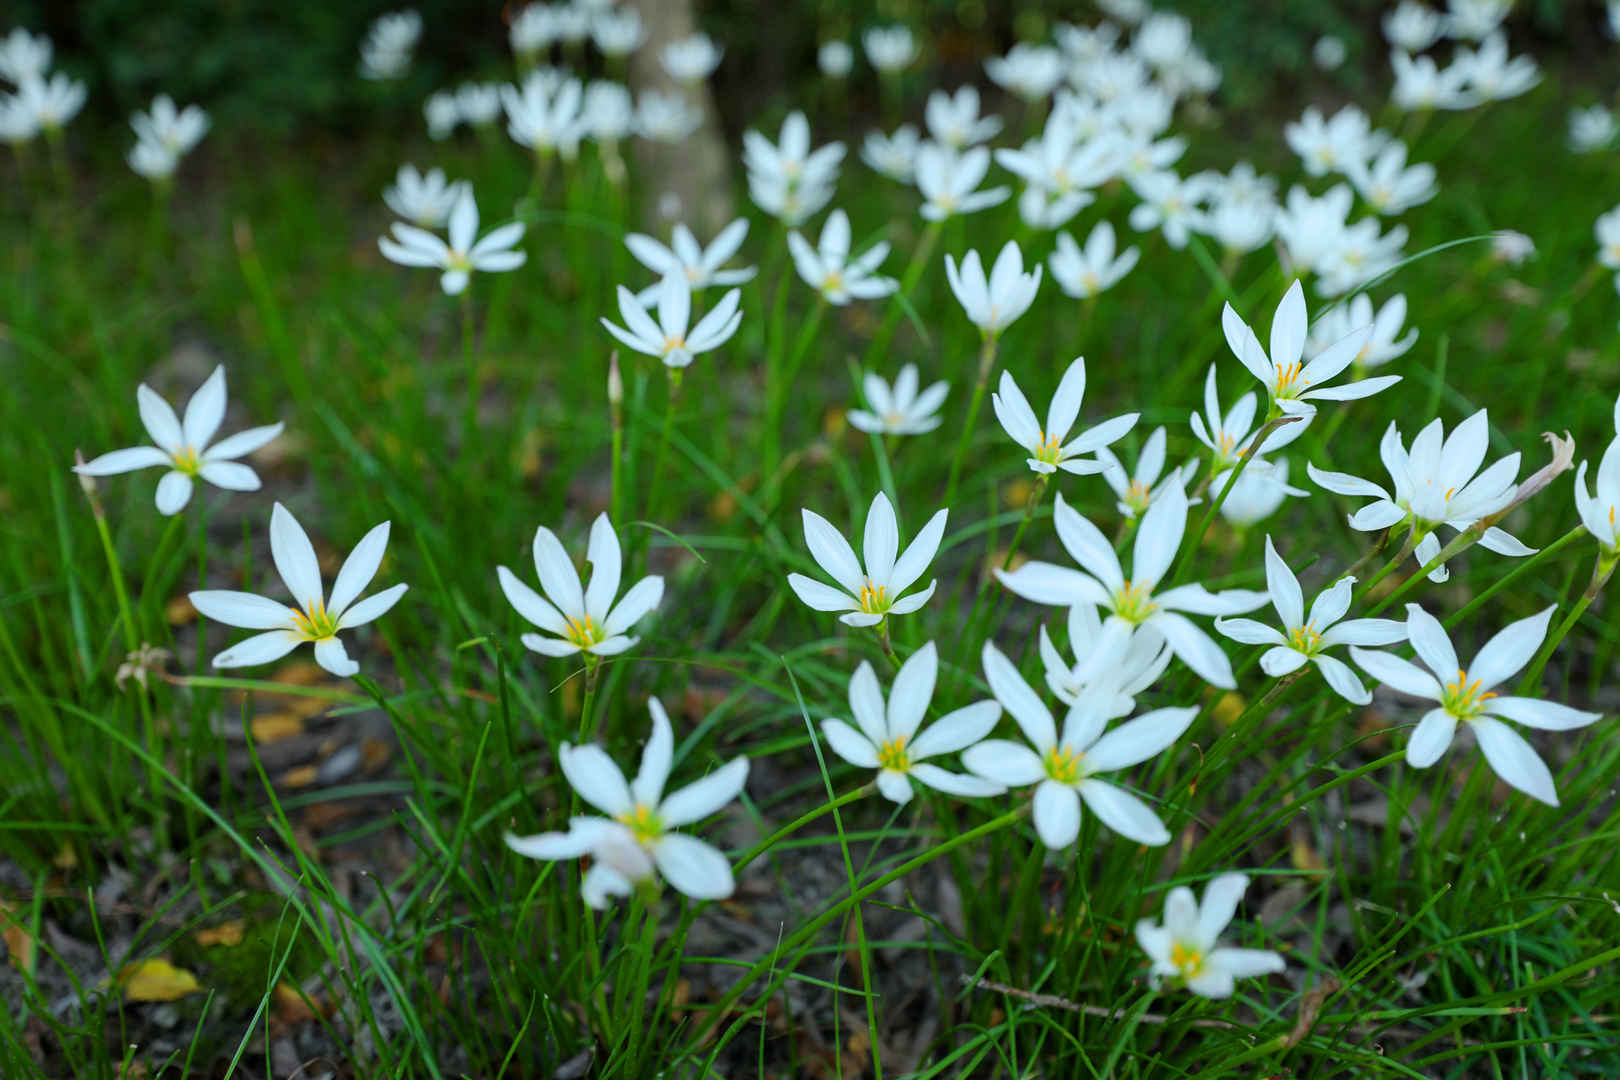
(892, 755)
(1063, 764)
(1287, 376)
(1305, 639)
(672, 343)
(874, 598)
(314, 623)
(187, 461)
(1187, 961)
(1134, 603)
(1136, 496)
(584, 631)
(643, 822)
(1048, 448)
(1463, 698)
(833, 282)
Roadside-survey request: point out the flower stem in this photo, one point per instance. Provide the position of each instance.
(616, 420)
(674, 391)
(1601, 571)
(592, 667)
(1030, 506)
(1183, 559)
(882, 631)
(987, 360)
(469, 418)
(908, 281)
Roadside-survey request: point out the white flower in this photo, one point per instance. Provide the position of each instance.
(1059, 168)
(442, 114)
(1258, 493)
(533, 30)
(1329, 52)
(1108, 678)
(183, 447)
(835, 58)
(993, 303)
(1311, 229)
(1084, 273)
(1184, 949)
(902, 410)
(1082, 45)
(176, 130)
(1382, 346)
(947, 180)
(636, 837)
(1511, 247)
(1359, 255)
(1163, 39)
(478, 103)
(668, 339)
(885, 736)
(1388, 184)
(1412, 27)
(386, 51)
(1597, 511)
(574, 21)
(24, 56)
(1030, 71)
(665, 117)
(1126, 11)
(608, 114)
(691, 59)
(1131, 602)
(1492, 76)
(1471, 20)
(954, 120)
(889, 48)
(1227, 434)
(411, 246)
(151, 160)
(1334, 145)
(1238, 225)
(1169, 204)
(617, 33)
(581, 619)
(317, 617)
(1136, 490)
(787, 179)
(895, 156)
(872, 594)
(423, 199)
(1065, 767)
(1292, 383)
(18, 124)
(1591, 129)
(700, 266)
(1045, 445)
(1421, 84)
(1436, 484)
(51, 103)
(829, 270)
(1306, 638)
(1607, 230)
(545, 118)
(1465, 696)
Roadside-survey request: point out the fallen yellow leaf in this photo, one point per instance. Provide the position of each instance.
(157, 980)
(19, 942)
(227, 933)
(271, 727)
(1229, 708)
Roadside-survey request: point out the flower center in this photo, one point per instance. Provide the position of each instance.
(1063, 764)
(1136, 496)
(893, 418)
(186, 461)
(1287, 376)
(643, 823)
(1048, 449)
(1187, 961)
(833, 282)
(314, 623)
(892, 755)
(584, 632)
(672, 343)
(1134, 603)
(1091, 281)
(1305, 639)
(874, 598)
(1464, 699)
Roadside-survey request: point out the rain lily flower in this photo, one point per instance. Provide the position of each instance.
(873, 593)
(1169, 204)
(993, 303)
(573, 22)
(947, 180)
(895, 156)
(1358, 255)
(1306, 638)
(1388, 185)
(1184, 949)
(1136, 490)
(1238, 225)
(1435, 484)
(1030, 71)
(1412, 27)
(386, 51)
(1326, 146)
(1591, 129)
(889, 48)
(545, 118)
(50, 102)
(1065, 768)
(901, 410)
(835, 59)
(1492, 76)
(885, 736)
(691, 59)
(496, 252)
(685, 256)
(1471, 20)
(315, 616)
(665, 117)
(1226, 435)
(479, 103)
(829, 270)
(1046, 446)
(1132, 603)
(607, 114)
(182, 446)
(152, 161)
(442, 114)
(1059, 169)
(1312, 229)
(18, 124)
(1421, 84)
(1341, 320)
(1597, 511)
(954, 120)
(617, 33)
(668, 339)
(1163, 39)
(423, 199)
(581, 619)
(1607, 230)
(1109, 678)
(636, 837)
(176, 130)
(1291, 382)
(1465, 696)
(1511, 247)
(787, 179)
(24, 56)
(533, 31)
(1085, 272)
(1258, 493)
(1144, 156)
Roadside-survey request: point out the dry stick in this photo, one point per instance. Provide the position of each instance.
(1055, 1002)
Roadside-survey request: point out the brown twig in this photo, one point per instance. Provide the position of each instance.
(1052, 1001)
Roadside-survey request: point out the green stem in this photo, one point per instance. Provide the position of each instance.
(908, 281)
(592, 667)
(616, 420)
(674, 391)
(1601, 570)
(469, 419)
(1513, 575)
(1249, 455)
(987, 360)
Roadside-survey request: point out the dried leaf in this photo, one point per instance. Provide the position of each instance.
(225, 934)
(157, 980)
(302, 776)
(275, 726)
(19, 942)
(1228, 708)
(178, 611)
(291, 1008)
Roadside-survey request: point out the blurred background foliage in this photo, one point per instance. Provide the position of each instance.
(279, 67)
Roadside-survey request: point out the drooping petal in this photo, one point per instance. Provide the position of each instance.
(894, 786)
(1194, 648)
(1057, 814)
(1430, 738)
(173, 492)
(331, 655)
(1342, 679)
(1249, 632)
(548, 646)
(694, 868)
(1124, 813)
(1279, 661)
(967, 787)
(229, 475)
(1514, 760)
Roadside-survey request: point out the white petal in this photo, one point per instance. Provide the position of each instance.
(1215, 911)
(1514, 760)
(1430, 738)
(243, 442)
(122, 461)
(529, 603)
(242, 609)
(331, 655)
(1279, 661)
(598, 781)
(912, 690)
(967, 787)
(1004, 762)
(358, 569)
(159, 420)
(1139, 739)
(832, 552)
(1396, 673)
(918, 554)
(694, 868)
(1286, 596)
(1194, 648)
(1342, 679)
(643, 596)
(849, 744)
(1124, 813)
(1018, 699)
(1510, 649)
(1546, 715)
(881, 543)
(820, 596)
(229, 475)
(557, 575)
(1060, 586)
(1057, 814)
(1429, 638)
(1086, 543)
(1249, 632)
(894, 786)
(173, 492)
(259, 649)
(956, 730)
(703, 797)
(656, 757)
(606, 564)
(295, 560)
(204, 411)
(866, 704)
(1245, 963)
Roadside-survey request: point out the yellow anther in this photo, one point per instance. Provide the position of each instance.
(874, 598)
(1048, 448)
(317, 624)
(643, 822)
(584, 632)
(1134, 603)
(1305, 639)
(1063, 764)
(1187, 961)
(187, 461)
(674, 342)
(1463, 698)
(892, 755)
(833, 282)
(1450, 492)
(1287, 376)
